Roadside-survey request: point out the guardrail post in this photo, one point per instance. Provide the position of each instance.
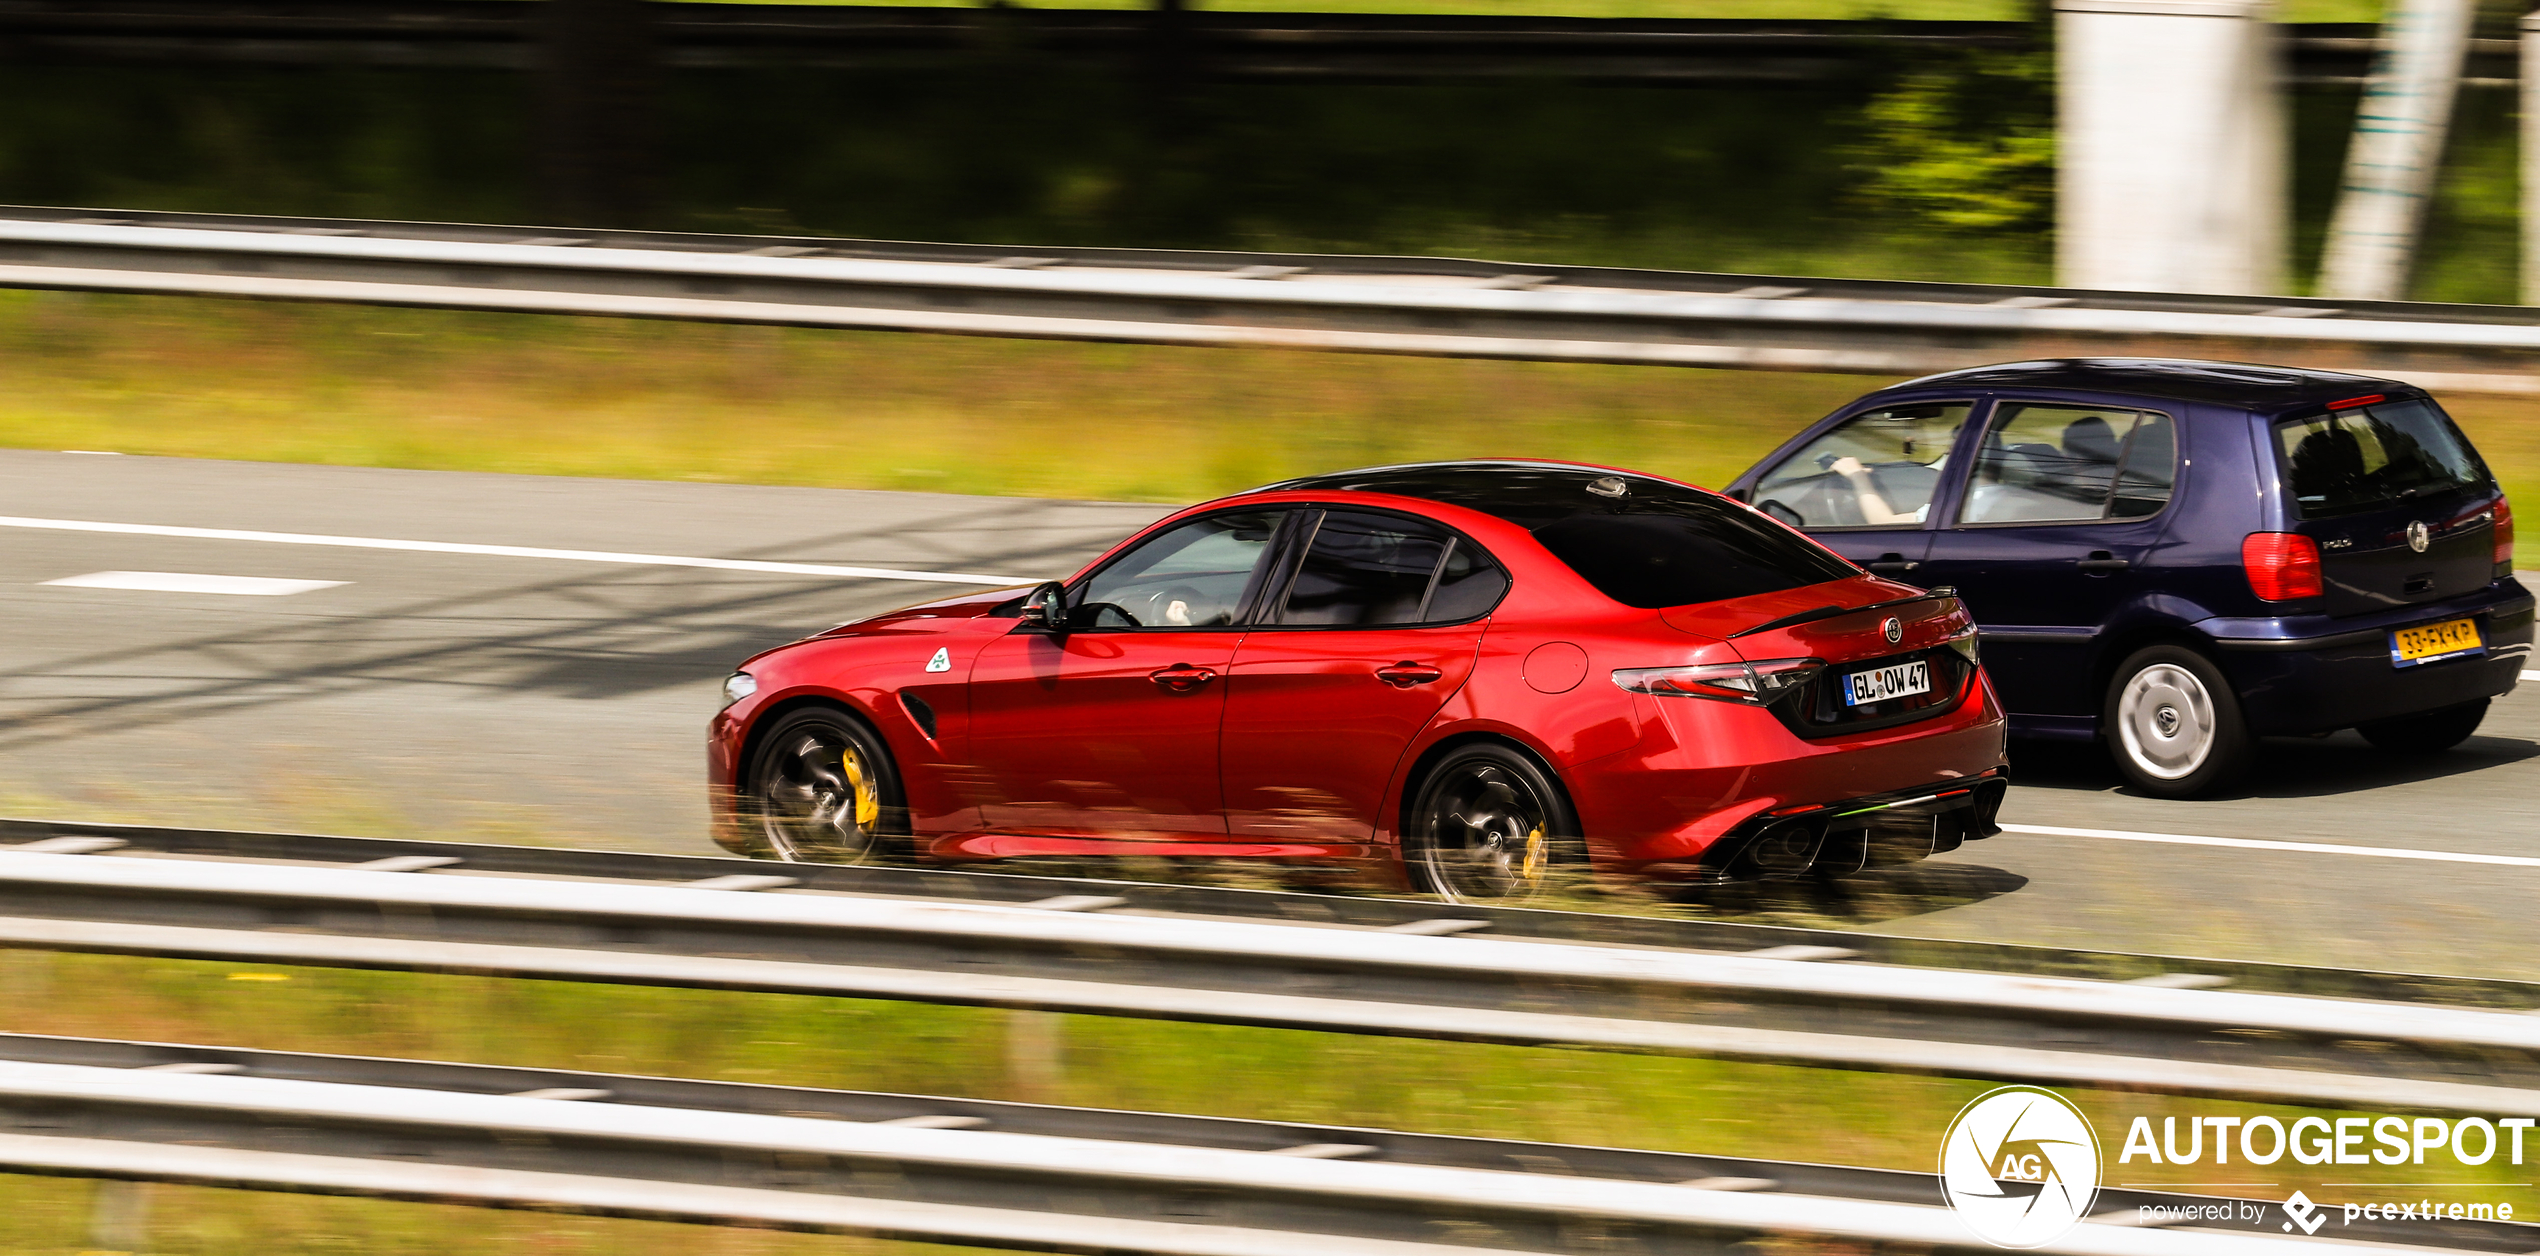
(2171, 146)
(119, 1216)
(2390, 164)
(2531, 159)
(1036, 1053)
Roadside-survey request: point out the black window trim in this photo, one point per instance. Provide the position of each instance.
(2178, 445)
(1262, 617)
(1978, 416)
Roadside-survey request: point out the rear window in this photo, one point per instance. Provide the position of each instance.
(1641, 542)
(2347, 461)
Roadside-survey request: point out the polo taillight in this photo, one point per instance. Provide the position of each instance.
(2504, 538)
(2282, 566)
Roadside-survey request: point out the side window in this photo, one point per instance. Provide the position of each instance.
(1191, 576)
(1877, 469)
(1364, 569)
(1468, 584)
(2149, 472)
(2059, 464)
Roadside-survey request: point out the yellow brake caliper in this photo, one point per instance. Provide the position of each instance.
(868, 805)
(1538, 853)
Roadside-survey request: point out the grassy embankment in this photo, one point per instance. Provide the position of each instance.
(763, 405)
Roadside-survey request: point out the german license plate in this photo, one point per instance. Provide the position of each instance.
(1881, 683)
(2430, 643)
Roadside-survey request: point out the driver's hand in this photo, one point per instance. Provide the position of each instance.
(1847, 467)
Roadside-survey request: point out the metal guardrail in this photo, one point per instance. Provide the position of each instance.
(1073, 953)
(965, 1170)
(1262, 46)
(1155, 899)
(1427, 306)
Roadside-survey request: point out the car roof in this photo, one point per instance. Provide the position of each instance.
(2273, 389)
(1526, 492)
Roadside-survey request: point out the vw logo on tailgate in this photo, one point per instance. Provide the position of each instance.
(2419, 536)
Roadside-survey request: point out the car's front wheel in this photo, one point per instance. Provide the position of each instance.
(2174, 724)
(2426, 733)
(822, 789)
(1488, 827)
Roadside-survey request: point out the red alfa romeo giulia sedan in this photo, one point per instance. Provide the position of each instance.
(1450, 675)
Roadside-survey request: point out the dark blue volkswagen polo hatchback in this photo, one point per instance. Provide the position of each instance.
(2180, 557)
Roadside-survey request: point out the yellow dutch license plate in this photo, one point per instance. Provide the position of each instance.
(2427, 643)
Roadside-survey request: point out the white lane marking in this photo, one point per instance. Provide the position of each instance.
(186, 582)
(2303, 848)
(2531, 675)
(509, 551)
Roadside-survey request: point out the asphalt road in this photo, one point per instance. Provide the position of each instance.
(553, 698)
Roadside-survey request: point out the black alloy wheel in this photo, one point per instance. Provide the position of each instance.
(1489, 827)
(2173, 724)
(2431, 732)
(822, 789)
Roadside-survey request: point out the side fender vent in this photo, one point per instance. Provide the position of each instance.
(920, 712)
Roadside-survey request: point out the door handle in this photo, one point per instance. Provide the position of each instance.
(1182, 677)
(1406, 673)
(2102, 560)
(1890, 564)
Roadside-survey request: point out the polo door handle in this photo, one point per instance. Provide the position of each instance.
(2102, 560)
(1182, 677)
(1890, 564)
(1406, 673)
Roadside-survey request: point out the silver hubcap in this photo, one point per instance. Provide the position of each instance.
(2165, 717)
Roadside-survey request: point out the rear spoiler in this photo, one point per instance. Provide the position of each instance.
(1829, 612)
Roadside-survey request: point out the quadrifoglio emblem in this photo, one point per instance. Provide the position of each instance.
(2020, 1165)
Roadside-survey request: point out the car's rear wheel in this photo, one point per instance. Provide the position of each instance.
(1489, 826)
(822, 789)
(2174, 724)
(2427, 733)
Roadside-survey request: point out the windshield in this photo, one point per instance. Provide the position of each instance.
(2351, 460)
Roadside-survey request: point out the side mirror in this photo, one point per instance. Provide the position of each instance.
(1046, 608)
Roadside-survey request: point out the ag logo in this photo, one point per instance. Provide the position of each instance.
(1893, 630)
(2020, 1165)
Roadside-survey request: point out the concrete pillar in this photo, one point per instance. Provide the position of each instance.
(2531, 159)
(2398, 144)
(2171, 146)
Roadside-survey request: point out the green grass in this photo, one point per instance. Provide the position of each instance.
(669, 401)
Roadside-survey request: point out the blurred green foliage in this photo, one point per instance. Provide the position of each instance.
(1964, 145)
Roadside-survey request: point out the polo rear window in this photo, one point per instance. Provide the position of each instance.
(2364, 457)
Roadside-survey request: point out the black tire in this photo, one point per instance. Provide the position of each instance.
(821, 788)
(2430, 732)
(2173, 724)
(1488, 826)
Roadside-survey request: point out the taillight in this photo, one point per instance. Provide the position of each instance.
(2282, 566)
(1757, 683)
(2504, 538)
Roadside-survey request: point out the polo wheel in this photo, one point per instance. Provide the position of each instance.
(822, 789)
(2428, 733)
(1488, 827)
(2174, 725)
